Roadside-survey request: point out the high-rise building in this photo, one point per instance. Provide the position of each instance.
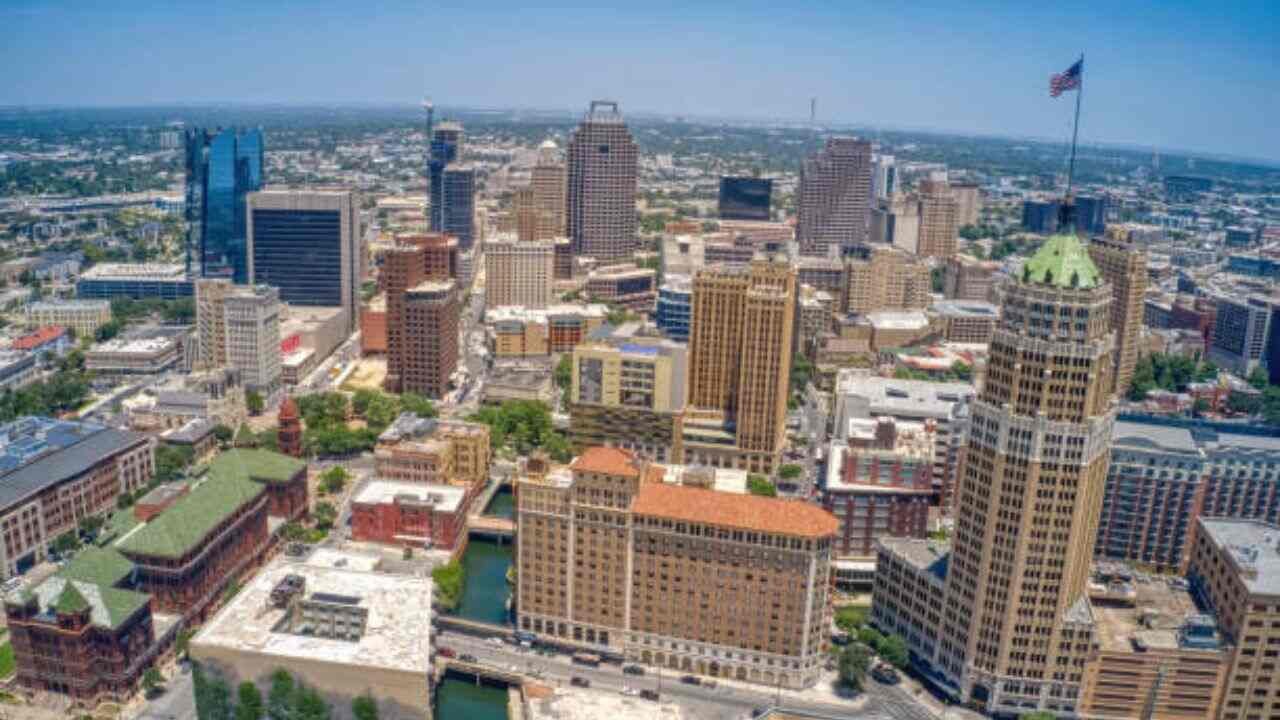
(884, 177)
(1041, 216)
(430, 316)
(403, 267)
(965, 277)
(239, 327)
(1013, 627)
(223, 167)
(675, 298)
(446, 148)
(1123, 265)
(602, 167)
(968, 201)
(833, 202)
(939, 217)
(665, 568)
(1091, 214)
(539, 208)
(439, 253)
(1240, 332)
(518, 273)
(745, 198)
(459, 211)
(306, 243)
(896, 221)
(888, 279)
(740, 342)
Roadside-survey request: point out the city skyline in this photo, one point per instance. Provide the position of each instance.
(705, 62)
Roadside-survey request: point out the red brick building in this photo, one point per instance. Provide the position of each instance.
(410, 514)
(880, 484)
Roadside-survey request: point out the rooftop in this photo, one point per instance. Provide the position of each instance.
(1254, 545)
(607, 461)
(445, 498)
(1154, 620)
(37, 452)
(924, 555)
(1062, 261)
(580, 704)
(898, 320)
(108, 607)
(146, 346)
(746, 512)
(726, 480)
(891, 396)
(99, 305)
(32, 340)
(135, 271)
(99, 566)
(397, 630)
(966, 308)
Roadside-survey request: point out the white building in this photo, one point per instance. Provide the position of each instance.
(518, 273)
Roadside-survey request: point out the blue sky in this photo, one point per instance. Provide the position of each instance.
(1189, 75)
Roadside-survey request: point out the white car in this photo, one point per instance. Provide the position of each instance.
(630, 690)
(494, 641)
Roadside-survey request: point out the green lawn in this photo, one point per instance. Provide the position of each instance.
(6, 660)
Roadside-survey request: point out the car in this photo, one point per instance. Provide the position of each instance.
(691, 680)
(467, 658)
(494, 641)
(632, 670)
(446, 652)
(709, 684)
(581, 682)
(650, 695)
(628, 690)
(885, 674)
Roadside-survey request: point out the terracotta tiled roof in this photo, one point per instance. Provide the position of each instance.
(746, 512)
(35, 339)
(607, 461)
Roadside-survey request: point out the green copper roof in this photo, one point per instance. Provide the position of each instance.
(1062, 261)
(261, 465)
(100, 566)
(71, 601)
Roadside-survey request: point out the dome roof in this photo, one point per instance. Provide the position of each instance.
(1062, 261)
(548, 144)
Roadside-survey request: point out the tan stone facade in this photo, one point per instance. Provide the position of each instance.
(518, 273)
(889, 279)
(939, 220)
(1124, 264)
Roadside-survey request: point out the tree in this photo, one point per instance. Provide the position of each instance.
(894, 651)
(851, 617)
(213, 696)
(106, 331)
(249, 704)
(151, 681)
(67, 542)
(254, 402)
(855, 660)
(760, 485)
(171, 461)
(364, 708)
(325, 514)
(418, 405)
(870, 637)
(183, 641)
(90, 526)
(280, 697)
(449, 580)
(1200, 406)
(790, 471)
(307, 704)
(1258, 378)
(564, 373)
(333, 480)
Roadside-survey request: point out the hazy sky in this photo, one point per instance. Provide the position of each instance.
(1191, 75)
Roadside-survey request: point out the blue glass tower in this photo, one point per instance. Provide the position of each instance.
(222, 169)
(446, 144)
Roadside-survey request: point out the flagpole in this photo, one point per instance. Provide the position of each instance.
(1075, 130)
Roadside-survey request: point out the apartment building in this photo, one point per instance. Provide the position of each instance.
(607, 546)
(518, 273)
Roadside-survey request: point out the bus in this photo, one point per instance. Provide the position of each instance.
(588, 659)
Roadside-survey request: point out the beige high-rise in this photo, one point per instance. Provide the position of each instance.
(1124, 265)
(740, 341)
(602, 165)
(518, 273)
(889, 279)
(939, 220)
(539, 208)
(1017, 623)
(833, 202)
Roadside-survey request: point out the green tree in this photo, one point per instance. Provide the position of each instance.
(66, 543)
(334, 479)
(564, 374)
(870, 637)
(855, 660)
(760, 485)
(850, 617)
(213, 696)
(418, 405)
(254, 402)
(364, 708)
(280, 697)
(1200, 406)
(790, 471)
(1037, 715)
(449, 580)
(106, 331)
(151, 681)
(171, 461)
(894, 650)
(325, 515)
(1258, 378)
(307, 704)
(249, 705)
(223, 434)
(90, 526)
(936, 279)
(182, 642)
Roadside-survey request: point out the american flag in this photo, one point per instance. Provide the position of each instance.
(1069, 80)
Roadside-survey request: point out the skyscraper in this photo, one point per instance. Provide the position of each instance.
(307, 244)
(446, 147)
(1008, 623)
(939, 214)
(884, 179)
(602, 167)
(458, 205)
(403, 267)
(223, 167)
(745, 198)
(239, 327)
(834, 198)
(547, 184)
(422, 322)
(518, 273)
(1123, 264)
(740, 342)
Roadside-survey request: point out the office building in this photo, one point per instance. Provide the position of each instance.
(223, 167)
(740, 346)
(122, 358)
(306, 243)
(403, 267)
(1041, 216)
(518, 332)
(745, 198)
(965, 277)
(968, 202)
(833, 202)
(1013, 628)
(50, 340)
(966, 322)
(1123, 265)
(687, 254)
(1235, 570)
(518, 273)
(137, 281)
(1241, 332)
(214, 395)
(334, 621)
(770, 629)
(82, 316)
(413, 515)
(440, 256)
(1091, 214)
(445, 148)
(884, 176)
(879, 483)
(939, 220)
(539, 208)
(429, 315)
(625, 284)
(1238, 237)
(434, 452)
(628, 390)
(459, 211)
(896, 221)
(887, 279)
(602, 165)
(239, 327)
(53, 473)
(675, 303)
(1184, 188)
